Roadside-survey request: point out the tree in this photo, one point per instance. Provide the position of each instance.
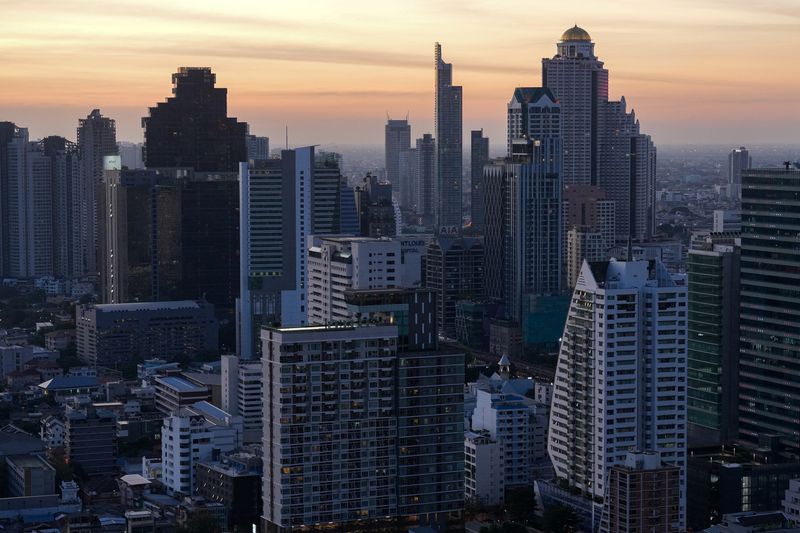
(559, 519)
(521, 505)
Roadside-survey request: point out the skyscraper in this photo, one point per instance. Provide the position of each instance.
(97, 138)
(603, 144)
(397, 139)
(376, 212)
(425, 190)
(257, 148)
(739, 160)
(580, 83)
(628, 172)
(479, 156)
(713, 275)
(283, 202)
(769, 388)
(65, 180)
(8, 132)
(523, 232)
(395, 447)
(408, 168)
(620, 382)
(447, 119)
(192, 128)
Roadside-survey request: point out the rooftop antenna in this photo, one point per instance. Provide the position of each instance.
(406, 116)
(287, 136)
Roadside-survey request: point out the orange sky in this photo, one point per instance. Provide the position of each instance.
(696, 71)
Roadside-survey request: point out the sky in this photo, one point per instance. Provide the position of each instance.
(695, 71)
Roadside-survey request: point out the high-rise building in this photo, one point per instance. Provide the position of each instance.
(139, 236)
(602, 141)
(408, 169)
(130, 155)
(583, 243)
(192, 128)
(376, 211)
(579, 81)
(620, 382)
(769, 391)
(523, 224)
(65, 191)
(336, 264)
(454, 269)
(283, 202)
(739, 160)
(479, 156)
(533, 112)
(399, 452)
(643, 494)
(628, 172)
(588, 206)
(712, 266)
(257, 148)
(397, 139)
(8, 133)
(97, 139)
(425, 189)
(448, 124)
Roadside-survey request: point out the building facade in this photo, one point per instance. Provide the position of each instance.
(479, 156)
(109, 334)
(626, 330)
(769, 397)
(713, 267)
(397, 139)
(448, 134)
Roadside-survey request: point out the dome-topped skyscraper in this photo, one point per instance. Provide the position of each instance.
(576, 33)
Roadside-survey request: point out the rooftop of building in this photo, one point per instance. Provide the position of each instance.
(69, 383)
(135, 480)
(150, 306)
(204, 378)
(180, 384)
(28, 461)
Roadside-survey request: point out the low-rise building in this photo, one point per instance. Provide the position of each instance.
(91, 440)
(108, 334)
(234, 481)
(484, 483)
(174, 392)
(199, 432)
(29, 475)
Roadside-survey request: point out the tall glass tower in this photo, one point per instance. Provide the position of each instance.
(448, 145)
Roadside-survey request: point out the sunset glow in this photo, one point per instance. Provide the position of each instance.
(694, 70)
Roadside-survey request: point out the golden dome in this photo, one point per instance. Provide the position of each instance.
(576, 34)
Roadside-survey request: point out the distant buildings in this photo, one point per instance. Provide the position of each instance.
(582, 244)
(257, 148)
(425, 191)
(192, 128)
(454, 270)
(602, 142)
(233, 480)
(727, 220)
(376, 213)
(397, 139)
(172, 393)
(97, 139)
(739, 161)
(110, 334)
(479, 156)
(448, 134)
(604, 403)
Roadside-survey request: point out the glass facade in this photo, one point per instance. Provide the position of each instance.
(769, 387)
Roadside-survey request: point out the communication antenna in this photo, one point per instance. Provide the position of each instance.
(287, 136)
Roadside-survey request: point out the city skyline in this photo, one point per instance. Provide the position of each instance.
(311, 70)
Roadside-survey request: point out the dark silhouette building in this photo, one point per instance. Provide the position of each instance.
(192, 129)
